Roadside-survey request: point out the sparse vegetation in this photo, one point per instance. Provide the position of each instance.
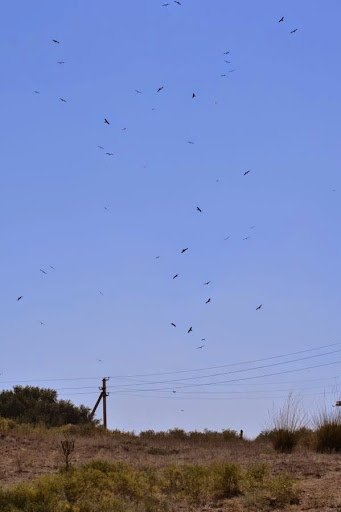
(103, 486)
(66, 448)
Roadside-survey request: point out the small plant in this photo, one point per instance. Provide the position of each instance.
(328, 431)
(66, 449)
(286, 425)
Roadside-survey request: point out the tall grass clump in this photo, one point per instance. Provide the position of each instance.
(286, 425)
(328, 430)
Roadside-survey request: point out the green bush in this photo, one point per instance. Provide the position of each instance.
(34, 405)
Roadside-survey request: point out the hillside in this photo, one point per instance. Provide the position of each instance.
(27, 454)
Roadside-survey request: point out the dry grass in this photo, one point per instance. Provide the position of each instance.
(26, 454)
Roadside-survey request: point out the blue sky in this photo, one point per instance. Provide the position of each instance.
(276, 115)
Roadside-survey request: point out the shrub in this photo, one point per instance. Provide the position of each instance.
(328, 431)
(286, 424)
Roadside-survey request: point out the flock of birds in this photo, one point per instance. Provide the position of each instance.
(198, 208)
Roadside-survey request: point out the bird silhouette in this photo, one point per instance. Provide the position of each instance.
(201, 346)
(281, 20)
(100, 147)
(232, 70)
(123, 129)
(52, 267)
(56, 41)
(259, 307)
(36, 92)
(227, 61)
(42, 271)
(189, 330)
(173, 324)
(19, 298)
(177, 2)
(208, 300)
(199, 209)
(184, 250)
(41, 323)
(226, 238)
(190, 142)
(194, 95)
(101, 293)
(62, 99)
(173, 391)
(165, 5)
(106, 121)
(207, 283)
(246, 172)
(110, 154)
(294, 31)
(138, 92)
(60, 62)
(203, 339)
(157, 257)
(246, 238)
(223, 75)
(176, 275)
(159, 89)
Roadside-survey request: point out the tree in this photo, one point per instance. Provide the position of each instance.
(34, 405)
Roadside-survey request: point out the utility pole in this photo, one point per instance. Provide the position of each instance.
(103, 395)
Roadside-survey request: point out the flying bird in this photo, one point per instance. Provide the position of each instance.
(226, 53)
(43, 271)
(199, 209)
(194, 95)
(173, 324)
(52, 267)
(294, 31)
(60, 62)
(246, 238)
(123, 129)
(189, 330)
(203, 339)
(165, 5)
(176, 275)
(138, 92)
(259, 307)
(62, 99)
(246, 172)
(223, 75)
(207, 283)
(110, 154)
(227, 61)
(190, 142)
(157, 257)
(232, 70)
(159, 89)
(106, 121)
(19, 298)
(174, 391)
(226, 238)
(201, 346)
(184, 250)
(41, 323)
(36, 92)
(101, 293)
(282, 19)
(177, 2)
(56, 41)
(100, 147)
(208, 300)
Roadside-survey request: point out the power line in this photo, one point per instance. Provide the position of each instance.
(230, 372)
(243, 378)
(171, 372)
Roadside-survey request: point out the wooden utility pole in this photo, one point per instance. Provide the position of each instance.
(103, 395)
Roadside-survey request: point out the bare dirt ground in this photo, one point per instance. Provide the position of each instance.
(26, 456)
